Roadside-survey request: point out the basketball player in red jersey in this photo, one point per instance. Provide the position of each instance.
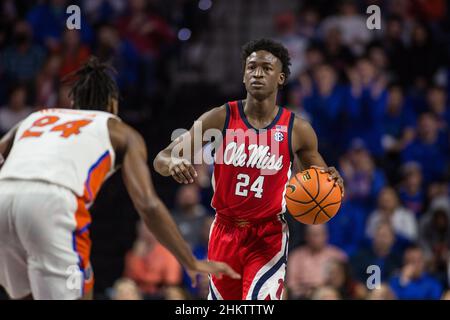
(252, 168)
(56, 161)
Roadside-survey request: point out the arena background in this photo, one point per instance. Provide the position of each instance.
(378, 100)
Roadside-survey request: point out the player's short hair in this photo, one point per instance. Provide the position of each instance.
(94, 85)
(275, 48)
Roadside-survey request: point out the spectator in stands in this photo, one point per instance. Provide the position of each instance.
(411, 191)
(121, 54)
(151, 265)
(428, 149)
(16, 109)
(308, 24)
(73, 52)
(189, 214)
(423, 55)
(150, 34)
(363, 180)
(324, 105)
(352, 24)
(338, 54)
(200, 251)
(366, 105)
(47, 82)
(414, 282)
(98, 11)
(446, 295)
(347, 228)
(325, 293)
(438, 105)
(381, 252)
(305, 270)
(48, 21)
(384, 292)
(435, 237)
(395, 48)
(338, 276)
(389, 208)
(21, 61)
(175, 293)
(125, 289)
(286, 29)
(398, 121)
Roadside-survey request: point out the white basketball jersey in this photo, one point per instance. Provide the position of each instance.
(70, 148)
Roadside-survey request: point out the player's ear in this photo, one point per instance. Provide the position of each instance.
(281, 79)
(113, 106)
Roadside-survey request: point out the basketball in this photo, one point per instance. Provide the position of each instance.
(311, 198)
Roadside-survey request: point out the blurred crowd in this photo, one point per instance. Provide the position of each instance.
(377, 99)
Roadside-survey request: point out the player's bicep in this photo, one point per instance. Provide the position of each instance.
(192, 141)
(307, 145)
(135, 172)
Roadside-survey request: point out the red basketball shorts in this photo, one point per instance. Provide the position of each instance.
(256, 250)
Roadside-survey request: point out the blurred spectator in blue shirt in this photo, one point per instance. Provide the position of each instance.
(200, 251)
(414, 282)
(21, 61)
(49, 22)
(98, 11)
(438, 105)
(411, 191)
(347, 228)
(189, 214)
(324, 104)
(398, 121)
(121, 54)
(366, 105)
(363, 180)
(380, 252)
(429, 148)
(389, 208)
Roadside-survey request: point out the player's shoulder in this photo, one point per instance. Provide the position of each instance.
(215, 117)
(300, 124)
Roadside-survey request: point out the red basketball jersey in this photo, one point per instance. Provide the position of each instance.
(252, 166)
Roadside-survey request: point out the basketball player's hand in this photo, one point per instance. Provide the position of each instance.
(215, 268)
(182, 170)
(333, 175)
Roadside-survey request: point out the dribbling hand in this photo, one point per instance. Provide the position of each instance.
(215, 268)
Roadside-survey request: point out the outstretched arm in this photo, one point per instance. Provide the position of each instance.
(131, 147)
(305, 146)
(179, 166)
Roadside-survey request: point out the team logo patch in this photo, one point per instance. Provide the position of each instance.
(279, 136)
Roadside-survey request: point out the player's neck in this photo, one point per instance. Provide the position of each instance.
(260, 109)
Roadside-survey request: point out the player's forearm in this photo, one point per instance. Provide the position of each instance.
(161, 224)
(162, 162)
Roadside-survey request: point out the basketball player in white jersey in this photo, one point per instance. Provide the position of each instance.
(55, 163)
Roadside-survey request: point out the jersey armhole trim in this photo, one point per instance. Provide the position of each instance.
(227, 121)
(290, 129)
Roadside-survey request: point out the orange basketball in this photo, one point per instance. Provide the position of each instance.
(311, 198)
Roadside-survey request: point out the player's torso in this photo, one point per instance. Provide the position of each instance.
(66, 147)
(252, 167)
